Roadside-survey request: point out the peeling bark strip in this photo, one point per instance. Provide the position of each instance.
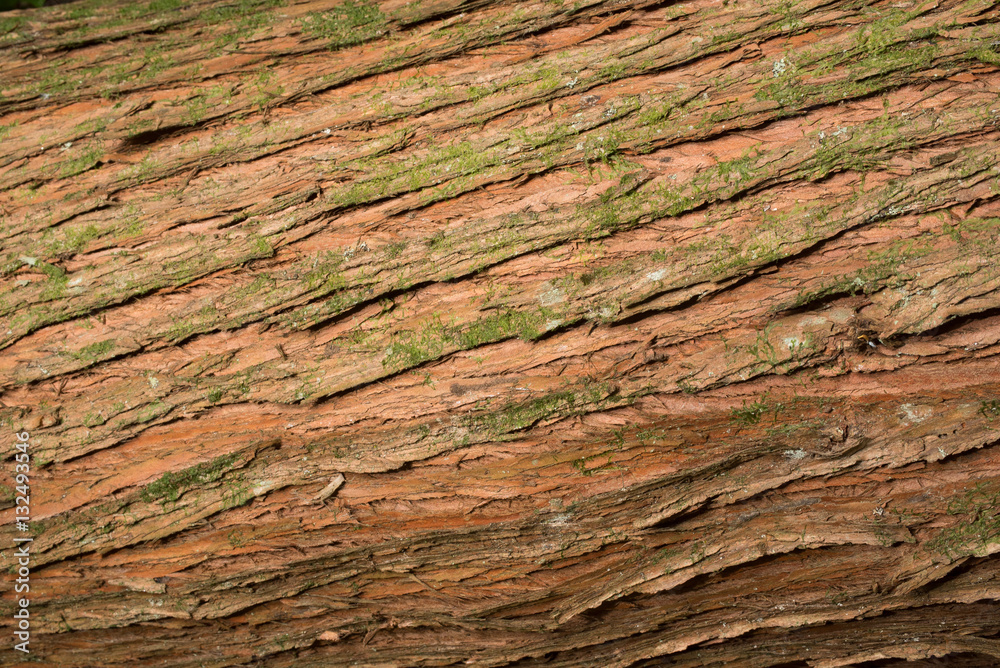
(504, 333)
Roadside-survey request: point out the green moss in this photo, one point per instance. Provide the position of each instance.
(862, 150)
(748, 414)
(515, 417)
(95, 351)
(144, 170)
(686, 386)
(239, 19)
(75, 240)
(498, 326)
(738, 170)
(58, 280)
(152, 411)
(585, 467)
(237, 492)
(8, 25)
(265, 89)
(161, 6)
(262, 247)
(55, 80)
(170, 486)
(393, 250)
(131, 225)
(154, 62)
(346, 25)
(886, 269)
(180, 329)
(522, 415)
(408, 348)
(93, 420)
(325, 274)
(987, 53)
(82, 163)
(237, 538)
(990, 409)
(978, 528)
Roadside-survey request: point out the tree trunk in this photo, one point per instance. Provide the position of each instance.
(502, 333)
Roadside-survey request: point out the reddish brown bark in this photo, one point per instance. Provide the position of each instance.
(455, 333)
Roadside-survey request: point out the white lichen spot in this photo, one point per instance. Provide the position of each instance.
(551, 296)
(779, 67)
(656, 275)
(795, 454)
(558, 520)
(814, 321)
(916, 414)
(154, 382)
(792, 343)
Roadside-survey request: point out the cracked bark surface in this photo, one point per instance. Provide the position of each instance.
(513, 333)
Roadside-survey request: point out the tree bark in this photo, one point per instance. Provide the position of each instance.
(502, 333)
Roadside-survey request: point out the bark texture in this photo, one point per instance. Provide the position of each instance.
(441, 333)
